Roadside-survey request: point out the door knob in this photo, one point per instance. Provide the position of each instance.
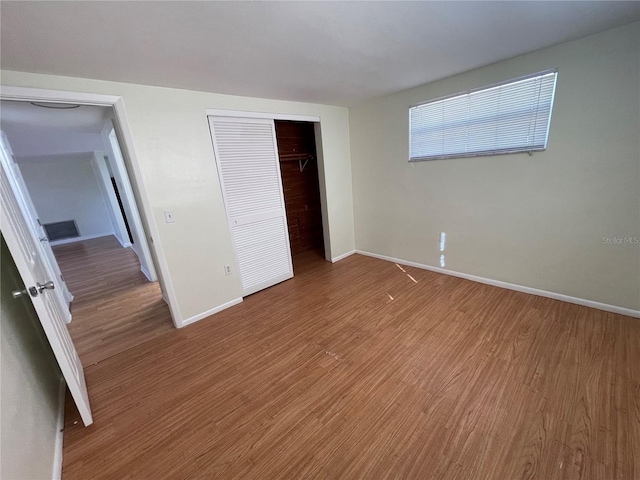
(18, 293)
(47, 286)
(33, 291)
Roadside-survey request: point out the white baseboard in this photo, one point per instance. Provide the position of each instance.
(56, 473)
(208, 313)
(519, 288)
(78, 239)
(124, 244)
(343, 256)
(146, 273)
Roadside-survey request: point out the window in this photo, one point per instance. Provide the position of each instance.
(508, 117)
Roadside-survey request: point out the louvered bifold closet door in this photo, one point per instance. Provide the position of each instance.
(249, 169)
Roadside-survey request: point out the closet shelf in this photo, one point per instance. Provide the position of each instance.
(295, 157)
(301, 158)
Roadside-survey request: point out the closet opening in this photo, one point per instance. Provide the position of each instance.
(298, 158)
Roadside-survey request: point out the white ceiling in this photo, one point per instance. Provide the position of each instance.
(326, 52)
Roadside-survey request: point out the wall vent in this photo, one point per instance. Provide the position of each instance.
(61, 230)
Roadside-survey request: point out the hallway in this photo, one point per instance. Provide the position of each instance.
(115, 307)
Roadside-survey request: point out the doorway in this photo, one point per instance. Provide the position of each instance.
(301, 187)
(71, 162)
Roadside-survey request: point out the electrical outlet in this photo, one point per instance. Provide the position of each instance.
(227, 269)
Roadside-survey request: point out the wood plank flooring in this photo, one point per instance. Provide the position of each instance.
(115, 307)
(354, 370)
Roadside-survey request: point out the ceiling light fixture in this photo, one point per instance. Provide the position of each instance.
(60, 106)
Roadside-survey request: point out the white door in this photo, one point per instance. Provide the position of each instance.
(247, 158)
(31, 216)
(28, 253)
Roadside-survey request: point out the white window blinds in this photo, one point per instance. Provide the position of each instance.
(509, 117)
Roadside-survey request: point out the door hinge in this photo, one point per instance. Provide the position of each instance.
(61, 277)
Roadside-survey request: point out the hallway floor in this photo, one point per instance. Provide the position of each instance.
(115, 307)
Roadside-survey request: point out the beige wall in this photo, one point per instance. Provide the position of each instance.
(173, 144)
(536, 221)
(30, 381)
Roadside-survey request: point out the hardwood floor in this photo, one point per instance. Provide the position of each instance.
(354, 370)
(115, 307)
(308, 261)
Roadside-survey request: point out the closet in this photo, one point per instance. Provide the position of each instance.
(268, 173)
(300, 181)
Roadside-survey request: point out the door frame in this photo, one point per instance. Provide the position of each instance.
(123, 131)
(214, 112)
(99, 166)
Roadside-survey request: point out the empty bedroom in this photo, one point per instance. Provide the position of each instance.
(385, 240)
